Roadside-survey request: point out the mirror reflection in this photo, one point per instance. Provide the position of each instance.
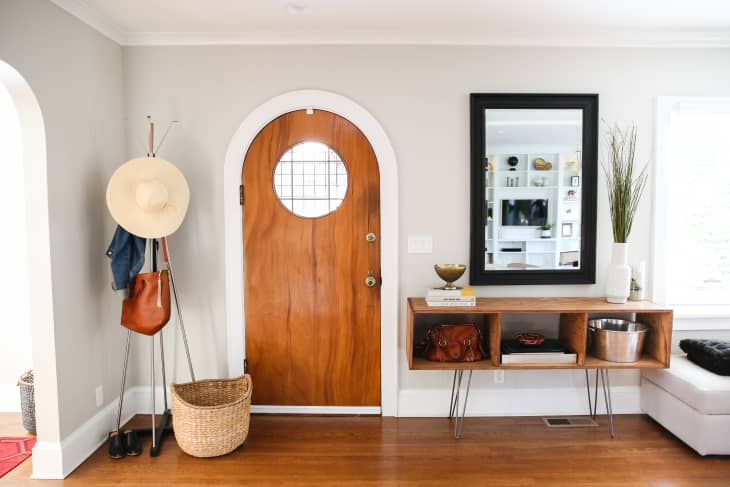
(533, 179)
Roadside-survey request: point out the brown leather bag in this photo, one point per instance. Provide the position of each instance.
(147, 309)
(454, 343)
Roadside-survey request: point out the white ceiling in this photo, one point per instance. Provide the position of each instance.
(464, 22)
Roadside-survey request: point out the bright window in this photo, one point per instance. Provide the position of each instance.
(310, 179)
(692, 237)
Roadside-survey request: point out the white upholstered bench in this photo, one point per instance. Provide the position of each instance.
(691, 402)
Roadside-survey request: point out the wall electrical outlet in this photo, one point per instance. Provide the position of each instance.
(499, 376)
(99, 396)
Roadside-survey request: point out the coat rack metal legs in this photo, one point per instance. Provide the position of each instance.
(124, 380)
(178, 307)
(455, 396)
(157, 430)
(593, 404)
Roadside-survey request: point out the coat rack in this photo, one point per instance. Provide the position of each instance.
(157, 430)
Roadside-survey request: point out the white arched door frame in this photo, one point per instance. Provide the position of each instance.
(47, 459)
(240, 142)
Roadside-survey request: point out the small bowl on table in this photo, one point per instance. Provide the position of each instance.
(530, 338)
(450, 273)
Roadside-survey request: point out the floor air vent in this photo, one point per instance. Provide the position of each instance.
(569, 422)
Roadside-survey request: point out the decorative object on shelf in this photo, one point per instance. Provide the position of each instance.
(513, 161)
(464, 296)
(616, 340)
(449, 273)
(541, 351)
(539, 181)
(625, 188)
(566, 230)
(488, 164)
(572, 164)
(575, 180)
(638, 281)
(570, 196)
(454, 343)
(545, 230)
(569, 258)
(541, 164)
(530, 338)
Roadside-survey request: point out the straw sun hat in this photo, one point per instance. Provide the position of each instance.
(148, 197)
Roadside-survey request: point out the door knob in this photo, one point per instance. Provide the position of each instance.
(370, 281)
(371, 237)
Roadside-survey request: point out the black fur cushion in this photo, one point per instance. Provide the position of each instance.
(713, 355)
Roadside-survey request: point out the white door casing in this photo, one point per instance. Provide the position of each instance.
(233, 222)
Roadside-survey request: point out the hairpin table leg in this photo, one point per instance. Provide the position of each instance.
(607, 398)
(588, 390)
(451, 402)
(454, 406)
(459, 426)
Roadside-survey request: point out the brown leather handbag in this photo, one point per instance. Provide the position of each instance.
(147, 309)
(454, 343)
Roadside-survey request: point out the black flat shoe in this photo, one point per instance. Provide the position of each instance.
(132, 442)
(116, 445)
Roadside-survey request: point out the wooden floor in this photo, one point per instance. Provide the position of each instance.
(337, 451)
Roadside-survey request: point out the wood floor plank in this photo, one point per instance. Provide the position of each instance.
(374, 451)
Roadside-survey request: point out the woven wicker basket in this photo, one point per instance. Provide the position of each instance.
(27, 400)
(211, 417)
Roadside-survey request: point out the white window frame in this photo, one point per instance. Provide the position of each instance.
(688, 317)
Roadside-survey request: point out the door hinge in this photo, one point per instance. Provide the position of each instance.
(240, 194)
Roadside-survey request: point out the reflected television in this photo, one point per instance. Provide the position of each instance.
(524, 213)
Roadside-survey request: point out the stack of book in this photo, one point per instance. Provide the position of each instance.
(451, 297)
(548, 352)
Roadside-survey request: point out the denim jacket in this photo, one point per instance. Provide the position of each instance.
(126, 252)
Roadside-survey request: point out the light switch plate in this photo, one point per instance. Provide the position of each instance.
(420, 244)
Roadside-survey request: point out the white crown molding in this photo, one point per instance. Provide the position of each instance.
(607, 38)
(587, 37)
(95, 20)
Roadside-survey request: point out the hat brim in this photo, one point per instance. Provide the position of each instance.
(122, 201)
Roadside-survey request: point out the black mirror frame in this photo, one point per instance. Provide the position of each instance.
(588, 103)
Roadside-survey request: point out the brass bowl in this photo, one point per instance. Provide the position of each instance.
(449, 273)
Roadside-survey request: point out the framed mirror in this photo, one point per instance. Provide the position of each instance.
(534, 165)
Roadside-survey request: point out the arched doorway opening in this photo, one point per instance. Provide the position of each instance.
(32, 146)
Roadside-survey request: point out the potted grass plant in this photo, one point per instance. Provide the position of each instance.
(626, 185)
(545, 230)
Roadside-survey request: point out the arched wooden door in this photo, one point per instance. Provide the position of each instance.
(311, 223)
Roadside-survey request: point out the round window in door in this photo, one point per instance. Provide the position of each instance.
(310, 179)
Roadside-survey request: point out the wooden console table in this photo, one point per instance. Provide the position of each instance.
(574, 314)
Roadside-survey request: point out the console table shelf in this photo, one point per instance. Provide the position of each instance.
(574, 314)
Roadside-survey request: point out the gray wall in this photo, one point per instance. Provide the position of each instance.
(420, 96)
(77, 75)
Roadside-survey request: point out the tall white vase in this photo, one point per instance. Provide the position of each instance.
(618, 282)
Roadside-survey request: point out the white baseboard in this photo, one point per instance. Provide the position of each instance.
(516, 402)
(9, 398)
(351, 410)
(56, 460)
